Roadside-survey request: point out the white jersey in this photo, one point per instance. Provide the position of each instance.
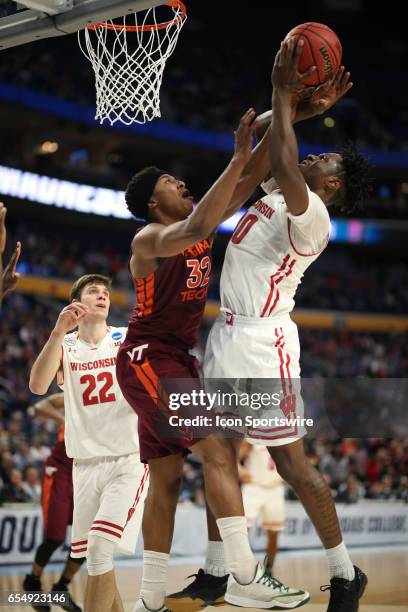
(262, 468)
(98, 420)
(268, 255)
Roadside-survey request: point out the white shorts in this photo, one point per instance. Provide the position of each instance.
(109, 495)
(242, 348)
(266, 503)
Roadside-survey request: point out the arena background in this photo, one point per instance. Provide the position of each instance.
(352, 304)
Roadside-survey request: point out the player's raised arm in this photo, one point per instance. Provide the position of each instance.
(51, 407)
(305, 104)
(158, 240)
(49, 360)
(283, 150)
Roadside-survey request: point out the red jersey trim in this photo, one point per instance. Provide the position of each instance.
(305, 254)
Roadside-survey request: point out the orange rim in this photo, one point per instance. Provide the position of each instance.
(145, 28)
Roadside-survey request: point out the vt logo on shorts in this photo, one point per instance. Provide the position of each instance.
(138, 350)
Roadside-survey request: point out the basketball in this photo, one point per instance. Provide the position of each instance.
(322, 48)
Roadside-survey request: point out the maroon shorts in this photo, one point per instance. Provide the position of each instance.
(57, 499)
(146, 386)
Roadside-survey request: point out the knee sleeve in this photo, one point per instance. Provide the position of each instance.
(45, 551)
(100, 555)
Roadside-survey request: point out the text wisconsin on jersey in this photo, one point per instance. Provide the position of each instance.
(92, 365)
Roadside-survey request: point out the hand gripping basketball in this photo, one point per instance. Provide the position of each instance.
(323, 97)
(285, 73)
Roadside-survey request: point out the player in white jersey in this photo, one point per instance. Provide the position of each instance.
(101, 435)
(263, 494)
(254, 336)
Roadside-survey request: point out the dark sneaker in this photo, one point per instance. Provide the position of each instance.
(33, 584)
(345, 594)
(71, 606)
(204, 591)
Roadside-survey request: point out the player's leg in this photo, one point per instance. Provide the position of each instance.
(226, 356)
(101, 591)
(314, 493)
(32, 581)
(72, 566)
(122, 483)
(272, 519)
(57, 514)
(271, 548)
(86, 503)
(160, 509)
(209, 584)
(249, 584)
(64, 492)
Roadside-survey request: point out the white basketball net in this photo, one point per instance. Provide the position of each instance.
(128, 57)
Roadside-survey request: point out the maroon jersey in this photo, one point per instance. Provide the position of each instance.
(171, 300)
(58, 453)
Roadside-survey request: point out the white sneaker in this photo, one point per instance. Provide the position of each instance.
(140, 606)
(264, 593)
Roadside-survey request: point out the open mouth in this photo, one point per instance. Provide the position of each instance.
(186, 194)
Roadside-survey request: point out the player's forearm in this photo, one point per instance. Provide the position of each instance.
(263, 122)
(252, 175)
(210, 210)
(283, 149)
(46, 365)
(51, 407)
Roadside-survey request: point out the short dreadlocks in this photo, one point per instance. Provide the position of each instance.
(357, 180)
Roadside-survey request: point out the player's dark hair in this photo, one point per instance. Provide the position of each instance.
(357, 180)
(139, 191)
(87, 279)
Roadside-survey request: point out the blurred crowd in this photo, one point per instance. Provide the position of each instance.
(335, 282)
(356, 469)
(194, 95)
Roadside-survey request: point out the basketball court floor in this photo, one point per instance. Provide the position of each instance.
(386, 567)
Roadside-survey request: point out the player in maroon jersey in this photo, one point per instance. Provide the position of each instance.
(57, 505)
(170, 266)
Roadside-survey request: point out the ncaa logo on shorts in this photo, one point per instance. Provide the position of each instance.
(117, 335)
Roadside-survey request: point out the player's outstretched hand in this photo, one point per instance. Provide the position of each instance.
(70, 316)
(3, 233)
(10, 276)
(285, 72)
(324, 96)
(244, 136)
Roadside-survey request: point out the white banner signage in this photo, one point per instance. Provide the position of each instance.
(21, 532)
(64, 194)
(362, 524)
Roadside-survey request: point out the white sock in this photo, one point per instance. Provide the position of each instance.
(340, 564)
(215, 563)
(240, 560)
(153, 589)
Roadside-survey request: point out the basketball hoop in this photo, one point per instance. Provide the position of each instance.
(128, 59)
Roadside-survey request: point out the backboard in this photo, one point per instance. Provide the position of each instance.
(30, 20)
